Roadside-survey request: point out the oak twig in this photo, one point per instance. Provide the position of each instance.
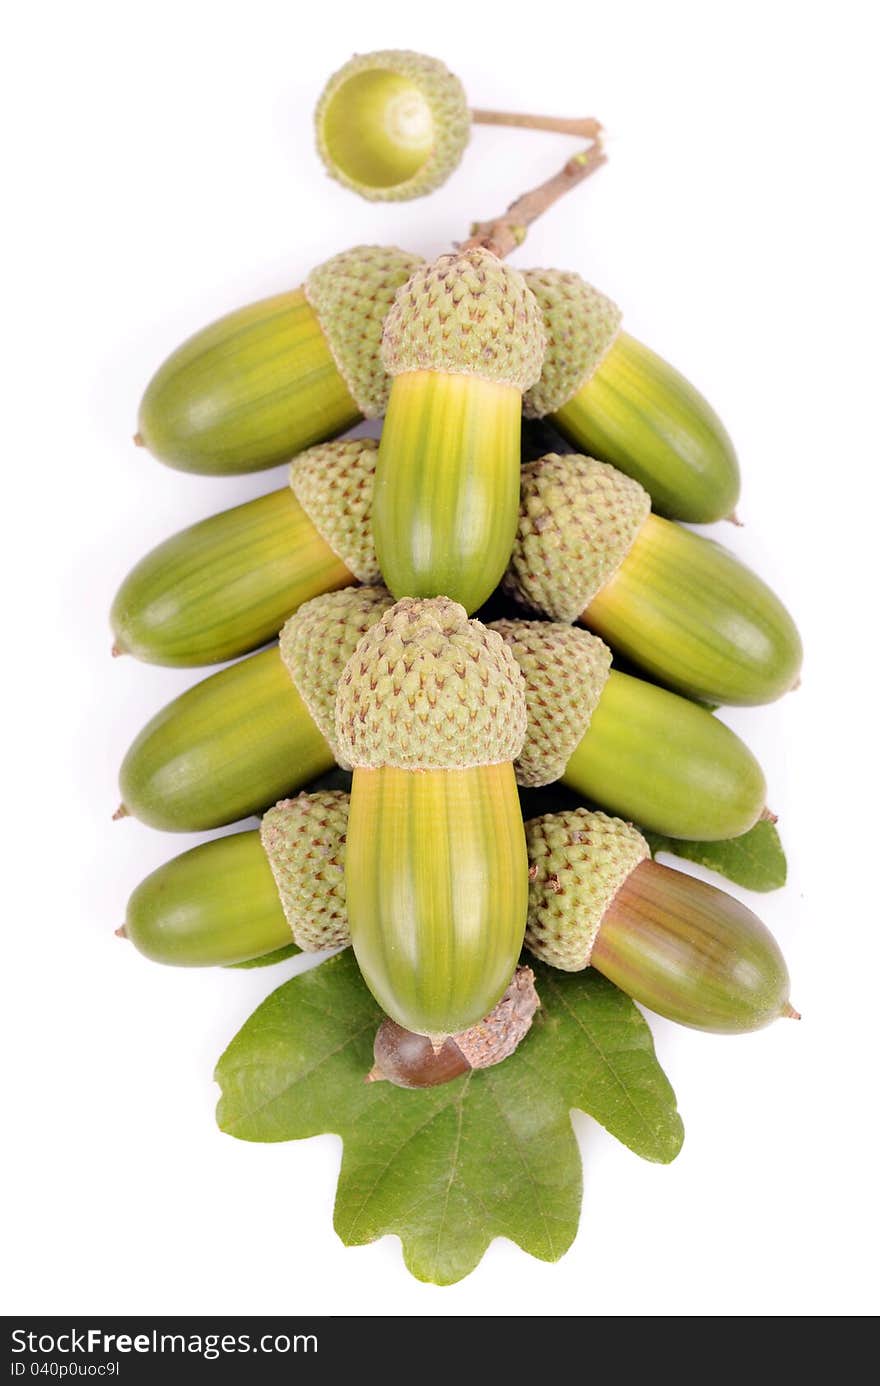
(586, 129)
(503, 234)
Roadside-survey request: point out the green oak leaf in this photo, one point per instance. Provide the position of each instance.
(448, 1169)
(290, 950)
(755, 860)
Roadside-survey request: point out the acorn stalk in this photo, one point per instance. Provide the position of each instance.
(226, 585)
(248, 894)
(261, 384)
(462, 341)
(682, 948)
(430, 714)
(248, 735)
(635, 749)
(680, 606)
(618, 401)
(392, 125)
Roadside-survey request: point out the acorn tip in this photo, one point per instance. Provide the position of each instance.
(120, 932)
(768, 816)
(138, 441)
(733, 519)
(374, 1076)
(121, 812)
(789, 1012)
(117, 650)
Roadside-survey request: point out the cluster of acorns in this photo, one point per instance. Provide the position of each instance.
(371, 564)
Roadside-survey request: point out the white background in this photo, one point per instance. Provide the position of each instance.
(161, 172)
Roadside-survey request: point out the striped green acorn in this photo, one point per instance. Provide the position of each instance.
(226, 585)
(618, 401)
(245, 895)
(431, 713)
(680, 606)
(636, 749)
(392, 125)
(682, 948)
(248, 735)
(462, 341)
(265, 382)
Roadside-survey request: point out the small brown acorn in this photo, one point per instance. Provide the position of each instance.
(409, 1060)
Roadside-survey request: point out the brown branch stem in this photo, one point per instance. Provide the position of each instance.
(503, 234)
(586, 129)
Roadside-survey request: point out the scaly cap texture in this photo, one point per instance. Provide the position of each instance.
(577, 863)
(466, 314)
(580, 325)
(497, 1036)
(317, 642)
(427, 689)
(565, 670)
(351, 295)
(450, 115)
(578, 519)
(334, 485)
(304, 839)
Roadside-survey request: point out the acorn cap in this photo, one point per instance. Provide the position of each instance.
(304, 839)
(580, 325)
(578, 519)
(392, 125)
(497, 1036)
(316, 643)
(468, 313)
(577, 863)
(333, 483)
(427, 689)
(565, 669)
(350, 295)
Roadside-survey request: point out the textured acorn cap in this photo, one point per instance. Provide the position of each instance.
(577, 863)
(304, 839)
(334, 485)
(497, 1036)
(565, 670)
(351, 295)
(580, 325)
(468, 313)
(578, 519)
(316, 643)
(443, 102)
(427, 689)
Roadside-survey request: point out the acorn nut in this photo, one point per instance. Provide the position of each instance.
(226, 585)
(412, 1061)
(682, 948)
(430, 713)
(618, 401)
(678, 605)
(263, 383)
(462, 341)
(252, 733)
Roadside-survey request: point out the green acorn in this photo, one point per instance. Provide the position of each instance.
(430, 713)
(248, 735)
(680, 606)
(226, 585)
(618, 401)
(392, 125)
(245, 895)
(623, 743)
(265, 382)
(682, 948)
(462, 342)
